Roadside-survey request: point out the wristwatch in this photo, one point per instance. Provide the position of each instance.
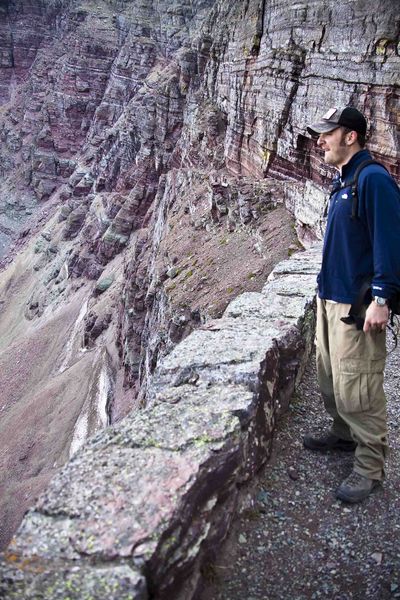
(380, 301)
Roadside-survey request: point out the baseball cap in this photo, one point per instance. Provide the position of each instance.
(348, 117)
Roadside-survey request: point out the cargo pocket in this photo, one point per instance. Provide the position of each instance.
(359, 383)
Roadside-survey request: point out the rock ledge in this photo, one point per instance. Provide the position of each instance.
(137, 512)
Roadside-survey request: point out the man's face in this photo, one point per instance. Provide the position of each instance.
(333, 143)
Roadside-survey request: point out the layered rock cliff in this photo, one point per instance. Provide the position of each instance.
(153, 163)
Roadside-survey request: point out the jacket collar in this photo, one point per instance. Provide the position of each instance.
(349, 168)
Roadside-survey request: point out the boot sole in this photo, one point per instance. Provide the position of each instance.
(340, 448)
(354, 500)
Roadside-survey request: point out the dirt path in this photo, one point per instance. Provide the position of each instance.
(295, 541)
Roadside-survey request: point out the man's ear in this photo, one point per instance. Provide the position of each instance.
(351, 138)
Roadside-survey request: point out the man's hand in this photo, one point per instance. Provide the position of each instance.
(376, 317)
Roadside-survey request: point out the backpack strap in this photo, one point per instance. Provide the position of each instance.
(354, 183)
(355, 308)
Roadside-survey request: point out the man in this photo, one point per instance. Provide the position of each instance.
(357, 248)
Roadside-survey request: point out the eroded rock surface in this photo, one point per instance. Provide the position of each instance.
(164, 483)
(154, 165)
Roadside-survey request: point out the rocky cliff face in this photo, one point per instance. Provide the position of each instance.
(153, 163)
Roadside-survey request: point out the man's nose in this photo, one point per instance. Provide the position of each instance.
(320, 140)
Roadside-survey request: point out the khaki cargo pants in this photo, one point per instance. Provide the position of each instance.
(350, 367)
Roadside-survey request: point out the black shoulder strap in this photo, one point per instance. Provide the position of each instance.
(354, 183)
(355, 308)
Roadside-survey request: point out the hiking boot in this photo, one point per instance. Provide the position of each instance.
(329, 441)
(356, 488)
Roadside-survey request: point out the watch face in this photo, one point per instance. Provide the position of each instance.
(380, 301)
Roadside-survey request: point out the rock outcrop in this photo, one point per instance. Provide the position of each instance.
(154, 166)
(165, 483)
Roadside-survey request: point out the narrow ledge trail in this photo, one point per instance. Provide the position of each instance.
(293, 539)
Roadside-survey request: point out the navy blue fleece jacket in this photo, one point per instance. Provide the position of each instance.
(366, 247)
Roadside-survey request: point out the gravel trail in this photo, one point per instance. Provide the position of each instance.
(293, 539)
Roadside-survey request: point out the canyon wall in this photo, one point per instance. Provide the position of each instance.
(154, 165)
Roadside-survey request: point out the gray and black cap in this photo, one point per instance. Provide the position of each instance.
(348, 117)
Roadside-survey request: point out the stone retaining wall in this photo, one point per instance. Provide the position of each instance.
(137, 511)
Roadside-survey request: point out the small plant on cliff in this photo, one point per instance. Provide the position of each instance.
(255, 46)
(209, 572)
(188, 274)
